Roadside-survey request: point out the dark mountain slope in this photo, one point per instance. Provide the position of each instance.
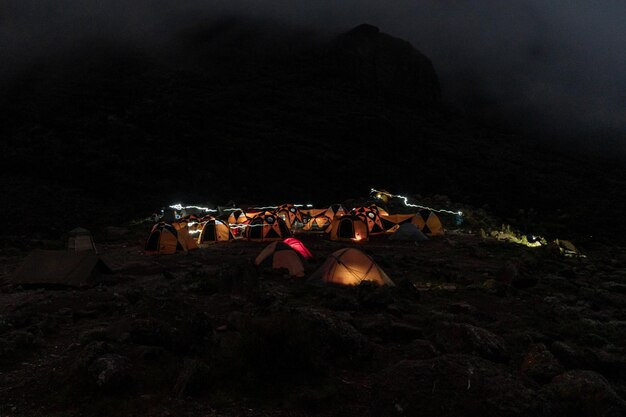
(241, 111)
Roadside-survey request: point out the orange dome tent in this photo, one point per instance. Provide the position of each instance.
(163, 240)
(348, 228)
(214, 230)
(279, 255)
(266, 226)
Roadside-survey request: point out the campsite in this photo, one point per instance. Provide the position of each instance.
(310, 325)
(312, 209)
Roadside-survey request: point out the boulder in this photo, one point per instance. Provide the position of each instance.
(540, 364)
(453, 385)
(585, 393)
(111, 371)
(465, 338)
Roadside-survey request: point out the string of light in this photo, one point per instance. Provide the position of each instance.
(406, 203)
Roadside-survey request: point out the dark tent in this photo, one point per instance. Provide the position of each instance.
(73, 269)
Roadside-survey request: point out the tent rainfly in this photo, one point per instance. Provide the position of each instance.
(279, 255)
(350, 266)
(50, 267)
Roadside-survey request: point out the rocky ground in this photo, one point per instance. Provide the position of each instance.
(475, 326)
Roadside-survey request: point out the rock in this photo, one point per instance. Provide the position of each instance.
(507, 273)
(585, 393)
(465, 338)
(421, 349)
(566, 354)
(152, 333)
(540, 364)
(22, 339)
(146, 267)
(452, 385)
(614, 287)
(402, 332)
(338, 335)
(89, 354)
(193, 378)
(111, 371)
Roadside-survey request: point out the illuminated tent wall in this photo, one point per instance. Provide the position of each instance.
(238, 217)
(317, 220)
(186, 240)
(163, 240)
(350, 266)
(266, 226)
(348, 228)
(290, 214)
(393, 221)
(408, 232)
(80, 239)
(214, 230)
(279, 255)
(370, 215)
(335, 210)
(428, 222)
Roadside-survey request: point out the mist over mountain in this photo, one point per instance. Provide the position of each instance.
(555, 69)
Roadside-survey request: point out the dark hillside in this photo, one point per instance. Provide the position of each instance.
(240, 111)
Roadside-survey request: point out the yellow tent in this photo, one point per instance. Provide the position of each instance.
(350, 266)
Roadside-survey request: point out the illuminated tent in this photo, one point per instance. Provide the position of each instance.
(408, 232)
(348, 228)
(279, 255)
(214, 230)
(381, 211)
(80, 239)
(299, 247)
(393, 221)
(290, 214)
(187, 241)
(335, 210)
(266, 226)
(68, 268)
(238, 217)
(370, 215)
(350, 266)
(317, 219)
(428, 222)
(163, 240)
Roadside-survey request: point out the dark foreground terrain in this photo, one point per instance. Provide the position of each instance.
(475, 326)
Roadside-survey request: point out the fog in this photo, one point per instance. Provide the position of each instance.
(556, 68)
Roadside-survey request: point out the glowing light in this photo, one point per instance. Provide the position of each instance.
(357, 237)
(406, 203)
(179, 207)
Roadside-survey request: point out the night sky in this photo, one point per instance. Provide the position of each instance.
(556, 67)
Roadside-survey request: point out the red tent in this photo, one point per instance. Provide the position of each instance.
(299, 247)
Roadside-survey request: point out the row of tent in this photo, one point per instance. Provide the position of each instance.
(79, 267)
(359, 224)
(347, 266)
